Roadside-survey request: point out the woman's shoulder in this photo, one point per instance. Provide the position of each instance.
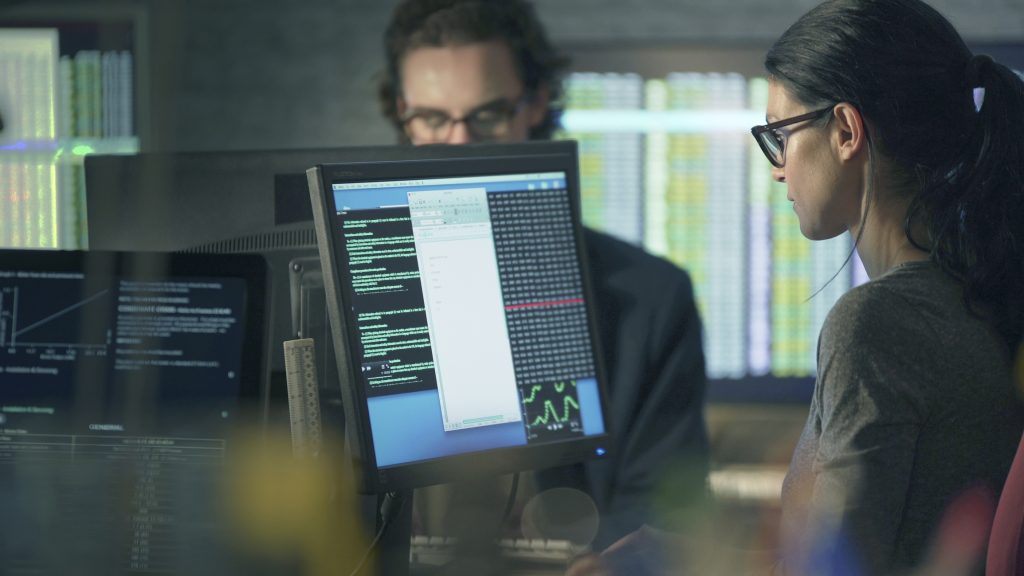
(902, 301)
(880, 341)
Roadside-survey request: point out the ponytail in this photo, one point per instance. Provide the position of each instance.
(973, 209)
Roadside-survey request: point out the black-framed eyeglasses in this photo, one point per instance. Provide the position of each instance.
(489, 121)
(773, 141)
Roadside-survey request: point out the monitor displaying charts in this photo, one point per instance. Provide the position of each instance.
(122, 376)
(460, 307)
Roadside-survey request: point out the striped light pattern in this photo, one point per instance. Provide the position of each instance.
(700, 193)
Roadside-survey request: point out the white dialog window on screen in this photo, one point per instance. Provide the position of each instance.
(465, 311)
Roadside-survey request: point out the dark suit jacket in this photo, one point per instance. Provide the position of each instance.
(650, 337)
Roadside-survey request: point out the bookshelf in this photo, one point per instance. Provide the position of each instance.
(71, 85)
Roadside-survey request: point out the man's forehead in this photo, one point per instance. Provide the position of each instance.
(452, 77)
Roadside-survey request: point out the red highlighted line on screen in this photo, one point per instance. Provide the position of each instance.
(545, 303)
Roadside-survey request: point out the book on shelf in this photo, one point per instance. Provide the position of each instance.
(65, 94)
(96, 93)
(126, 95)
(108, 94)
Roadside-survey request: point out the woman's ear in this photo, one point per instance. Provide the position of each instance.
(850, 134)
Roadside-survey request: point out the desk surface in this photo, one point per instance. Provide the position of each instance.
(521, 557)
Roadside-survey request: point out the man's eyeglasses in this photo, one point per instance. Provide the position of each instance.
(490, 121)
(773, 141)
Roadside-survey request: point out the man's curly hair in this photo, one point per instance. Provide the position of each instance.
(437, 23)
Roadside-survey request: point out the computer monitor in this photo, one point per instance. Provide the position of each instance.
(123, 375)
(460, 311)
(210, 202)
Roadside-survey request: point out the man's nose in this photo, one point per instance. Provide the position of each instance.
(460, 134)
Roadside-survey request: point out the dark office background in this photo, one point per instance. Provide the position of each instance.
(243, 74)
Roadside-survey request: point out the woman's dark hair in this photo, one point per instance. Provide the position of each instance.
(915, 82)
(435, 23)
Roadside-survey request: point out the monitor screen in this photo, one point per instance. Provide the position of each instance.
(241, 202)
(122, 376)
(460, 308)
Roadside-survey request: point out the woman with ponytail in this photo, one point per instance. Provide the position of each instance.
(883, 124)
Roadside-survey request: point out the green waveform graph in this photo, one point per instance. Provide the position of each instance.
(552, 410)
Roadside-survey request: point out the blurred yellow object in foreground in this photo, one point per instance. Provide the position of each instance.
(300, 512)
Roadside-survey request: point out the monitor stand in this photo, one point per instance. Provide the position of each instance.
(392, 552)
(391, 555)
(309, 320)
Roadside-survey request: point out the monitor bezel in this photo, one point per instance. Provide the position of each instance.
(446, 161)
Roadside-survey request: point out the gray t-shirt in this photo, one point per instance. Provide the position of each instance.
(914, 403)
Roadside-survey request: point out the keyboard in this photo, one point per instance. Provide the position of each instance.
(437, 551)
